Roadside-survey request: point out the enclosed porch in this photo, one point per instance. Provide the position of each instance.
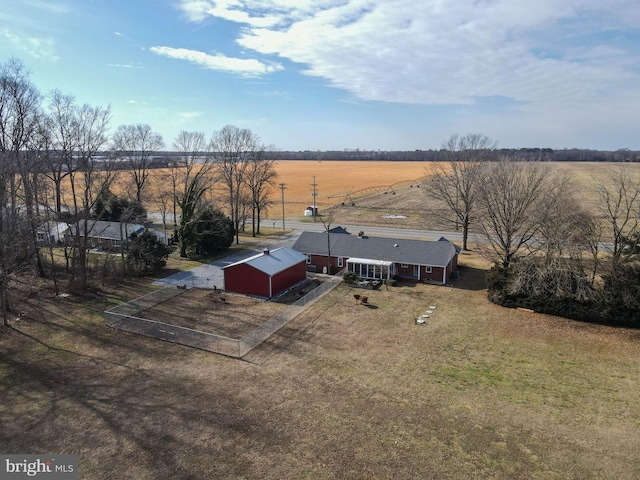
(371, 269)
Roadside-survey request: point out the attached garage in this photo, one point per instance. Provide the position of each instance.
(266, 274)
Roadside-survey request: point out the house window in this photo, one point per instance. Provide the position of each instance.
(404, 265)
(340, 262)
(308, 259)
(427, 269)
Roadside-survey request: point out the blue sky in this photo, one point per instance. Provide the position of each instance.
(335, 74)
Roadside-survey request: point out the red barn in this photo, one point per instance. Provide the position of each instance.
(266, 274)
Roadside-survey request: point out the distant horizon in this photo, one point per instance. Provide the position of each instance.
(389, 75)
(432, 150)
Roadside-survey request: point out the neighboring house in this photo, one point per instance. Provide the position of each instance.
(107, 235)
(51, 233)
(380, 258)
(338, 230)
(164, 237)
(266, 274)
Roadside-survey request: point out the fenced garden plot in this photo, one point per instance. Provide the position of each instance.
(231, 325)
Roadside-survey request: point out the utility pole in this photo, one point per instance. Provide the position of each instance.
(282, 187)
(314, 194)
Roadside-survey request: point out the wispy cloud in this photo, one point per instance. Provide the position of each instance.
(188, 116)
(36, 47)
(126, 65)
(244, 67)
(434, 52)
(54, 7)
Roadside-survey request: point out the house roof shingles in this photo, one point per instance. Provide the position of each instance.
(414, 252)
(108, 230)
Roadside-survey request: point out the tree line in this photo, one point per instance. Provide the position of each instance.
(535, 154)
(441, 155)
(59, 163)
(550, 251)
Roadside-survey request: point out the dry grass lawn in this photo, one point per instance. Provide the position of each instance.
(229, 315)
(345, 391)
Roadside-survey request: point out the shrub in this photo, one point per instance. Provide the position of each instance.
(621, 296)
(146, 253)
(392, 282)
(364, 299)
(349, 277)
(356, 296)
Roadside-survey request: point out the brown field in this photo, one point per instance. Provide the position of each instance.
(334, 181)
(370, 190)
(345, 391)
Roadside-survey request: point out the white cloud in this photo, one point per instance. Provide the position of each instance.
(440, 52)
(232, 10)
(32, 46)
(245, 67)
(195, 10)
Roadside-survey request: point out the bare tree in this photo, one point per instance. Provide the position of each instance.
(455, 181)
(162, 200)
(89, 177)
(136, 145)
(509, 201)
(234, 147)
(564, 225)
(19, 106)
(62, 132)
(619, 206)
(30, 166)
(190, 180)
(260, 178)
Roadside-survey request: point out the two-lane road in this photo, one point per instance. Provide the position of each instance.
(393, 232)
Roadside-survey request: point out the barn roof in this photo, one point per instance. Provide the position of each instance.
(273, 262)
(414, 252)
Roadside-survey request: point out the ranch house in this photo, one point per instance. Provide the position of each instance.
(102, 234)
(380, 258)
(51, 233)
(266, 274)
